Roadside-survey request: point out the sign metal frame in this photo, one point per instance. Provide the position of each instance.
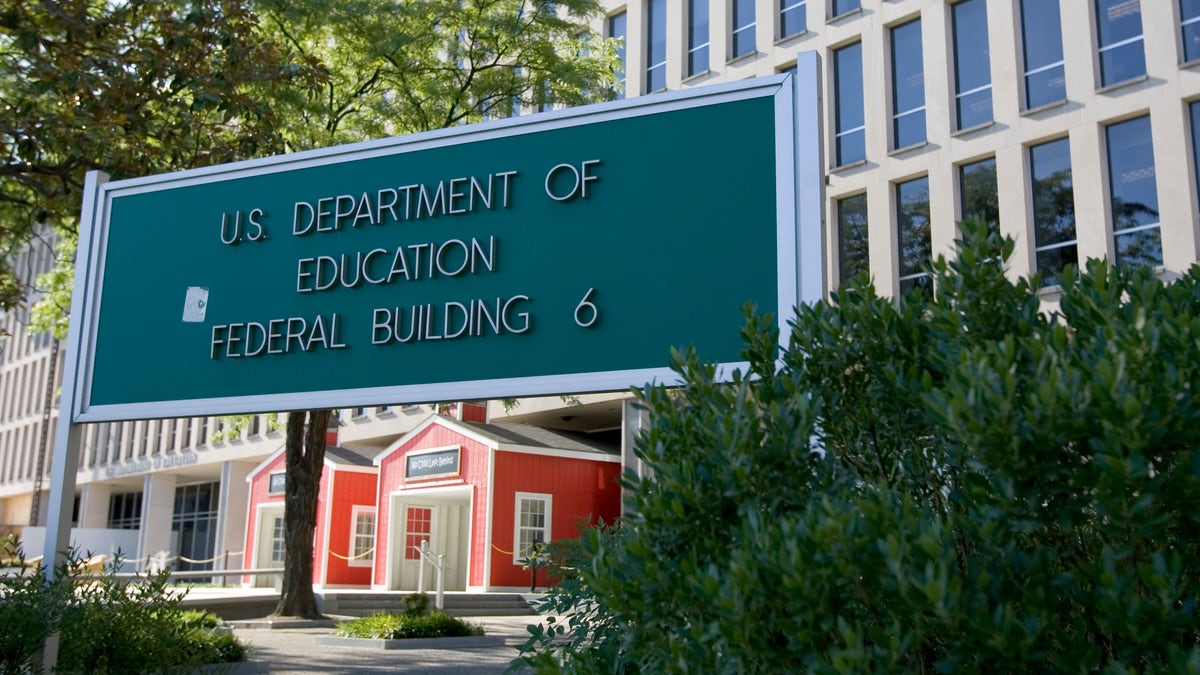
(789, 247)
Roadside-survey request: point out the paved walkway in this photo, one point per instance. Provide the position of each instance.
(293, 651)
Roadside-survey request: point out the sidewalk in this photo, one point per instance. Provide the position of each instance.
(293, 651)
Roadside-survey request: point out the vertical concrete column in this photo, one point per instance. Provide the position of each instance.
(677, 32)
(1016, 217)
(1089, 178)
(158, 507)
(633, 420)
(1175, 175)
(93, 505)
(635, 49)
(232, 513)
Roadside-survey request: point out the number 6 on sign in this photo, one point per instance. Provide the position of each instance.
(585, 307)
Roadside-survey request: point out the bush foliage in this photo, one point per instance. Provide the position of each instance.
(958, 482)
(416, 622)
(105, 624)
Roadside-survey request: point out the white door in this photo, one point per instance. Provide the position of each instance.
(268, 546)
(441, 523)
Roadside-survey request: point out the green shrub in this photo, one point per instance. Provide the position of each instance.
(403, 626)
(416, 604)
(955, 482)
(29, 608)
(105, 624)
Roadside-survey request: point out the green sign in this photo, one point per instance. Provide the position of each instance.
(563, 252)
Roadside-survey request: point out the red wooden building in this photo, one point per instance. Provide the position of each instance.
(343, 552)
(481, 495)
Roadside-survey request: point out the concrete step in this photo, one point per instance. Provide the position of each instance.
(455, 604)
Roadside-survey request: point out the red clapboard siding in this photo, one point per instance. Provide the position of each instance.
(350, 489)
(259, 495)
(581, 489)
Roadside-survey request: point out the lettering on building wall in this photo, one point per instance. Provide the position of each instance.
(149, 465)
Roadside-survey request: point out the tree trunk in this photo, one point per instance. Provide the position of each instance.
(305, 459)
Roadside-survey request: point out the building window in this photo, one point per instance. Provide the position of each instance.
(1119, 32)
(1133, 193)
(1194, 110)
(978, 187)
(1041, 40)
(850, 131)
(697, 37)
(202, 433)
(362, 536)
(617, 30)
(656, 45)
(792, 20)
(1189, 21)
(532, 524)
(912, 225)
(277, 539)
(1053, 209)
(742, 37)
(125, 511)
(418, 526)
(908, 85)
(972, 66)
(194, 525)
(840, 7)
(853, 251)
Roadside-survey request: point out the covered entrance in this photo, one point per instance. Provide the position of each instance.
(439, 516)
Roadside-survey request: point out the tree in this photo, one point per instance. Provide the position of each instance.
(129, 88)
(304, 460)
(955, 482)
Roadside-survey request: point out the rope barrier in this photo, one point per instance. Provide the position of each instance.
(364, 554)
(190, 561)
(502, 550)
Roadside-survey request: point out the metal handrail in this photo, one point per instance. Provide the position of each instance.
(439, 564)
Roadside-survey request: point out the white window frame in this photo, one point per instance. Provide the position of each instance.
(786, 6)
(355, 513)
(548, 500)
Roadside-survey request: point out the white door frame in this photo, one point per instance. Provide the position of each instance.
(397, 522)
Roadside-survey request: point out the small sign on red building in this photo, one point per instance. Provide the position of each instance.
(433, 464)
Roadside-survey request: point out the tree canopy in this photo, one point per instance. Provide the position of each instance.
(129, 88)
(950, 482)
